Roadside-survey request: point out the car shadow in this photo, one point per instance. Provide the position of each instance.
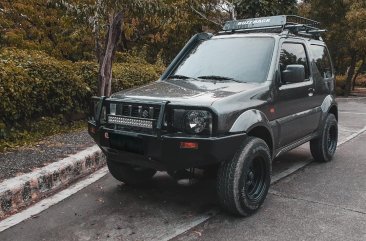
(163, 194)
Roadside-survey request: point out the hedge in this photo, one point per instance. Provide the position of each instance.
(35, 85)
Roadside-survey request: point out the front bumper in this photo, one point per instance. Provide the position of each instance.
(164, 152)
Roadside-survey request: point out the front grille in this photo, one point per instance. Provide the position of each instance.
(141, 111)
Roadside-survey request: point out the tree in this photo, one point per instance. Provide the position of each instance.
(356, 19)
(44, 25)
(116, 11)
(345, 21)
(106, 58)
(260, 8)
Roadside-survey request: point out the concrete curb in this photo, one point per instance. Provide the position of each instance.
(22, 191)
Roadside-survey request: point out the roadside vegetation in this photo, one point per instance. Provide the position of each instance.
(55, 55)
(42, 95)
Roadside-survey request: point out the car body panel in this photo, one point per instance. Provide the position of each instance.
(184, 92)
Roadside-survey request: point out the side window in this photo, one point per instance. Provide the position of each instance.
(294, 53)
(322, 60)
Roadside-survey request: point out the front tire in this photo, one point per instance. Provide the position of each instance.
(243, 182)
(324, 147)
(130, 175)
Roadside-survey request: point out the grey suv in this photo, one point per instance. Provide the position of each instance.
(230, 102)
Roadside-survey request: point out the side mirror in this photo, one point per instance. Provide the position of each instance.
(294, 73)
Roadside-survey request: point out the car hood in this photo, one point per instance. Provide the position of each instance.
(190, 92)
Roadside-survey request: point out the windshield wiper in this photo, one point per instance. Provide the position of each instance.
(177, 76)
(217, 77)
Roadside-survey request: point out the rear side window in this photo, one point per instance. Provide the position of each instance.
(294, 53)
(322, 60)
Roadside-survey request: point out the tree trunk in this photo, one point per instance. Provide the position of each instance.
(112, 38)
(232, 10)
(124, 42)
(362, 66)
(351, 72)
(96, 31)
(253, 13)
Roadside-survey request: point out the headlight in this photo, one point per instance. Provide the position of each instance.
(198, 121)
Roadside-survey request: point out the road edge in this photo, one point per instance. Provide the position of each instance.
(22, 191)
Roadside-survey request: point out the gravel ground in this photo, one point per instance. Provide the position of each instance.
(51, 149)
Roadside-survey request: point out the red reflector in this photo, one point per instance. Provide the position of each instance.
(189, 145)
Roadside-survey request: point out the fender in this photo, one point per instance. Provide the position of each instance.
(249, 120)
(328, 103)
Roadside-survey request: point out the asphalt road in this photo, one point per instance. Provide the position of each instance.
(317, 202)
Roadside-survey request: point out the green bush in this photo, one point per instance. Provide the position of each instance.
(35, 85)
(130, 75)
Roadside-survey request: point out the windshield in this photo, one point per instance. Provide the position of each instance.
(239, 59)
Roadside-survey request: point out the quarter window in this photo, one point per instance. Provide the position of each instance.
(322, 60)
(294, 53)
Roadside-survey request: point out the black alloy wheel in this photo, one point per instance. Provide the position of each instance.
(243, 182)
(332, 139)
(324, 147)
(253, 186)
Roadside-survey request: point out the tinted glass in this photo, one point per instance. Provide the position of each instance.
(242, 59)
(293, 53)
(322, 60)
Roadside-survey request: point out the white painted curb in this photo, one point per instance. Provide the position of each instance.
(21, 191)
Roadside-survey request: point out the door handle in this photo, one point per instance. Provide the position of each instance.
(311, 91)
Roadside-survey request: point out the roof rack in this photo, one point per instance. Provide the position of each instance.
(293, 24)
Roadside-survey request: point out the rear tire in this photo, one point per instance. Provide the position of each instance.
(130, 175)
(243, 182)
(324, 147)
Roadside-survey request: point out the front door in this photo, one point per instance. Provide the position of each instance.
(296, 109)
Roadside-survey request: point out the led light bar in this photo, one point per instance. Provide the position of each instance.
(130, 122)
